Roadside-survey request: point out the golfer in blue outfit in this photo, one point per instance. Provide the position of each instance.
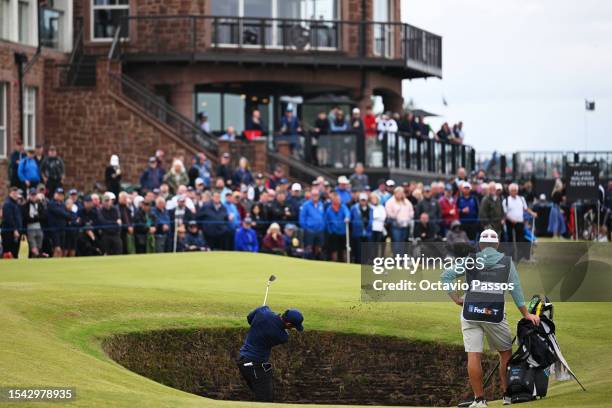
(268, 329)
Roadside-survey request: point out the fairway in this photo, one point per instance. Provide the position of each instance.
(55, 314)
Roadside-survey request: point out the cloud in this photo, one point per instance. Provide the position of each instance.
(520, 69)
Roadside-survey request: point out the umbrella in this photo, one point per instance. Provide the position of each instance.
(422, 112)
(330, 99)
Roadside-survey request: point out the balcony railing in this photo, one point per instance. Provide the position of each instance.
(392, 150)
(524, 165)
(334, 41)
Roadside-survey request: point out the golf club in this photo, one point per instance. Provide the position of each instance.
(271, 279)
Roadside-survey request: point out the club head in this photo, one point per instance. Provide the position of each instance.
(272, 278)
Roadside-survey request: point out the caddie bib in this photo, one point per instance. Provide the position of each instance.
(483, 302)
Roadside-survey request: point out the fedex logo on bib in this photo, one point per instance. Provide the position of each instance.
(483, 310)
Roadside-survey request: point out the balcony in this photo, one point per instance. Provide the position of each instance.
(398, 49)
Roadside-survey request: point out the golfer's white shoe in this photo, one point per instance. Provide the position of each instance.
(479, 403)
(507, 400)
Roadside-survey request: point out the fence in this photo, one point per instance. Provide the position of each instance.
(389, 150)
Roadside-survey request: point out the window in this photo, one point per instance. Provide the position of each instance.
(210, 103)
(5, 13)
(24, 22)
(29, 118)
(247, 32)
(107, 15)
(50, 28)
(383, 33)
(3, 117)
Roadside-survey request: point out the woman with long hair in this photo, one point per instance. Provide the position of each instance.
(243, 174)
(556, 220)
(177, 176)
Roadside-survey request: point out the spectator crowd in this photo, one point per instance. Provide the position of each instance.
(206, 207)
(371, 127)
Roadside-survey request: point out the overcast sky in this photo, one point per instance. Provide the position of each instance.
(517, 72)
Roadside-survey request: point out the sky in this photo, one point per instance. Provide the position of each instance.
(517, 72)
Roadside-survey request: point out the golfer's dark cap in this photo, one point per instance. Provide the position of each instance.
(32, 191)
(192, 223)
(284, 181)
(87, 198)
(294, 317)
(73, 192)
(59, 190)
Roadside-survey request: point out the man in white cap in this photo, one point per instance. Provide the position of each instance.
(344, 190)
(484, 310)
(295, 200)
(515, 207)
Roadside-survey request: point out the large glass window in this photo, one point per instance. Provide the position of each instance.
(24, 22)
(210, 104)
(225, 109)
(3, 116)
(309, 32)
(29, 118)
(107, 15)
(233, 111)
(229, 8)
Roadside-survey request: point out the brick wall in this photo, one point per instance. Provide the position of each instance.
(89, 125)
(33, 78)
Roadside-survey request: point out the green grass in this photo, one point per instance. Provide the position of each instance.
(55, 312)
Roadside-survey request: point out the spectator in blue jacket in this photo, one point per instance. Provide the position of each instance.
(12, 223)
(213, 219)
(152, 177)
(194, 239)
(312, 221)
(467, 204)
(337, 216)
(344, 190)
(58, 218)
(361, 225)
(245, 239)
(243, 174)
(231, 201)
(162, 228)
(28, 171)
(290, 127)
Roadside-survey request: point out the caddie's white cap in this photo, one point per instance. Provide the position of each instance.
(489, 236)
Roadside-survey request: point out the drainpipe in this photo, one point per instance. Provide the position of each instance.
(20, 60)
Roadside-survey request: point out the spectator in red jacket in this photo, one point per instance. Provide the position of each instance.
(448, 208)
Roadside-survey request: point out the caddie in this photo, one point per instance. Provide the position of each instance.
(483, 310)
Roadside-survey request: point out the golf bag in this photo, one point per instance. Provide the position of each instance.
(529, 366)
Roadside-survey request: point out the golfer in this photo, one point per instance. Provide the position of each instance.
(483, 310)
(268, 329)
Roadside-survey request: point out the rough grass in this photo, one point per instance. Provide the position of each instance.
(55, 314)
